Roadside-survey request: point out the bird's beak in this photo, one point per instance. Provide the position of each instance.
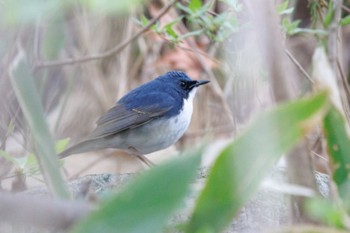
(201, 82)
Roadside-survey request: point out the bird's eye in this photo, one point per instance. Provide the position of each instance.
(183, 85)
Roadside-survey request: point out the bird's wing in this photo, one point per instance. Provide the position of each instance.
(127, 115)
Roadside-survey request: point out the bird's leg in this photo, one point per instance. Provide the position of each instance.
(141, 157)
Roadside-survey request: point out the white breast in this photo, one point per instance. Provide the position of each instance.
(158, 134)
(184, 118)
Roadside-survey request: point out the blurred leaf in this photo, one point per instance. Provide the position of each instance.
(8, 157)
(107, 6)
(170, 31)
(345, 21)
(189, 34)
(283, 8)
(31, 166)
(61, 145)
(18, 162)
(236, 5)
(14, 12)
(143, 21)
(289, 27)
(327, 212)
(184, 8)
(27, 165)
(195, 5)
(28, 98)
(242, 165)
(329, 16)
(146, 204)
(21, 162)
(338, 145)
(54, 38)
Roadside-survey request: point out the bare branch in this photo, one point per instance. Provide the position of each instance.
(298, 65)
(111, 52)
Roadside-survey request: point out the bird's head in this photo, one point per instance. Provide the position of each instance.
(178, 81)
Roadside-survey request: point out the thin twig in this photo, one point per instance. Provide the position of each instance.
(298, 65)
(346, 90)
(343, 78)
(37, 40)
(111, 52)
(347, 9)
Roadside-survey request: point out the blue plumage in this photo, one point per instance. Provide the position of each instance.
(151, 117)
(162, 91)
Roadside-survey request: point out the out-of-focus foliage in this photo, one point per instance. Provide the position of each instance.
(15, 12)
(27, 95)
(145, 205)
(292, 27)
(332, 214)
(338, 144)
(241, 166)
(201, 20)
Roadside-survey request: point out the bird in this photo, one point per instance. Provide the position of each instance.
(149, 118)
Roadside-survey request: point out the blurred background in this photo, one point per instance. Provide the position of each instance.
(224, 41)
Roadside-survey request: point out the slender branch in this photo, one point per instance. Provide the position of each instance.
(347, 9)
(37, 40)
(343, 78)
(298, 65)
(346, 91)
(111, 52)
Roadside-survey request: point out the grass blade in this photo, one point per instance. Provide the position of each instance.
(28, 98)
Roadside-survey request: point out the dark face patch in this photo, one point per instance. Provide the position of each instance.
(187, 85)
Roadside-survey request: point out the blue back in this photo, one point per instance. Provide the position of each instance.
(163, 92)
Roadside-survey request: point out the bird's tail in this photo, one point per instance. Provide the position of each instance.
(81, 147)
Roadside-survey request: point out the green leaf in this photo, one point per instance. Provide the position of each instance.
(18, 162)
(54, 38)
(110, 7)
(289, 27)
(329, 16)
(8, 157)
(283, 8)
(242, 165)
(143, 21)
(195, 5)
(338, 145)
(345, 21)
(19, 11)
(146, 204)
(168, 28)
(31, 166)
(28, 98)
(61, 145)
(327, 212)
(170, 31)
(21, 162)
